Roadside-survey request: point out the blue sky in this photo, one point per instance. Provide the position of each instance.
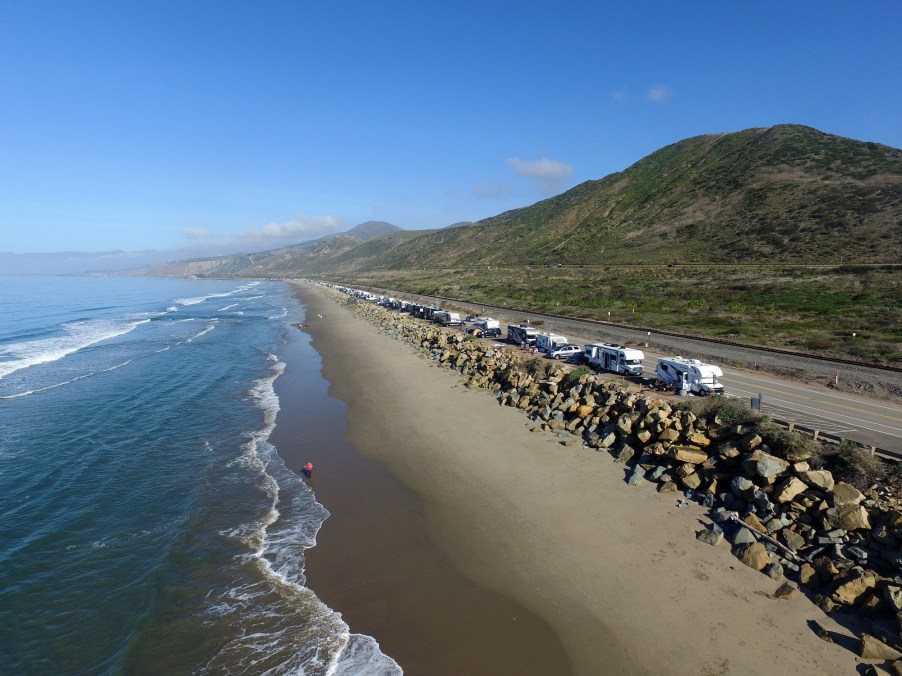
(203, 127)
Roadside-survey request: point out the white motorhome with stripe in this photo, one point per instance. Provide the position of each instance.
(691, 375)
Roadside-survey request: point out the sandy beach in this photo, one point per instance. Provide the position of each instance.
(466, 543)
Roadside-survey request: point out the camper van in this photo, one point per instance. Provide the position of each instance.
(616, 358)
(518, 334)
(690, 375)
(446, 318)
(546, 342)
(488, 327)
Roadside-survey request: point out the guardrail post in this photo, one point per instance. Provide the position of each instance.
(816, 434)
(792, 426)
(873, 451)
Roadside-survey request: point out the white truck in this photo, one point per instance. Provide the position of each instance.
(446, 318)
(520, 334)
(616, 358)
(546, 342)
(689, 375)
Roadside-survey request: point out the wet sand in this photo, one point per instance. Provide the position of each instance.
(375, 563)
(466, 489)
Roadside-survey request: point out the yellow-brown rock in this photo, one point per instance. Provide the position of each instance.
(691, 454)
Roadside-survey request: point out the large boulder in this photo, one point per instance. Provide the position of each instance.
(693, 481)
(808, 576)
(742, 488)
(698, 439)
(850, 591)
(711, 537)
(690, 454)
(766, 465)
(789, 489)
(669, 436)
(750, 442)
(819, 478)
(753, 555)
(848, 517)
(846, 494)
(875, 649)
(792, 539)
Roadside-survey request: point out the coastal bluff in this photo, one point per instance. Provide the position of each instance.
(768, 499)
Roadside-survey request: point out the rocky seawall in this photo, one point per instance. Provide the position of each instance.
(770, 499)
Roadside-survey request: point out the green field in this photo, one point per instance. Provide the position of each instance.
(848, 311)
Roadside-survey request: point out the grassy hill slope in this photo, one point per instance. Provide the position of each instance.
(780, 194)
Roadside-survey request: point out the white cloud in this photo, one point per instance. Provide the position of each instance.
(270, 236)
(548, 174)
(299, 227)
(659, 93)
(196, 233)
(619, 95)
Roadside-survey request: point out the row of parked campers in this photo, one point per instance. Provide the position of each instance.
(679, 373)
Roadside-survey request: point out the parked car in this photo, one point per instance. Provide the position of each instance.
(565, 351)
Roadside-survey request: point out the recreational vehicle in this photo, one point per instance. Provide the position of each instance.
(690, 375)
(616, 358)
(488, 327)
(446, 318)
(546, 342)
(520, 334)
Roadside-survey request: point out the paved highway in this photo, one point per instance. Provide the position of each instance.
(868, 421)
(846, 416)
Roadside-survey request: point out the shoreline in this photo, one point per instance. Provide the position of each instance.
(616, 572)
(374, 562)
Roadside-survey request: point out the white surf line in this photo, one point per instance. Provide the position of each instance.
(776, 383)
(831, 415)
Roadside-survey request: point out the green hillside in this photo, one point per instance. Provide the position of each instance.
(781, 236)
(780, 194)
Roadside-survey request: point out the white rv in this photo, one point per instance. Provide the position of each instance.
(520, 334)
(488, 327)
(616, 358)
(446, 318)
(546, 342)
(690, 375)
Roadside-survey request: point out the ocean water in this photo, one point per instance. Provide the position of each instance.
(147, 524)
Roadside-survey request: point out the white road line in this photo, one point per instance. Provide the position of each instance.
(816, 393)
(830, 415)
(803, 419)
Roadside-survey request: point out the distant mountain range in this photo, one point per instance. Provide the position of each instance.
(285, 261)
(786, 193)
(78, 262)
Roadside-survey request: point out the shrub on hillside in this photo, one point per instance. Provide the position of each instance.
(790, 445)
(573, 377)
(853, 463)
(728, 410)
(818, 340)
(537, 367)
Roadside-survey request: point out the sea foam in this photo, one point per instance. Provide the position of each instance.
(77, 336)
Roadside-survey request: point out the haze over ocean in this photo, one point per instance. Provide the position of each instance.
(148, 525)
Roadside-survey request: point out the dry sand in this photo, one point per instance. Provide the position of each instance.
(614, 570)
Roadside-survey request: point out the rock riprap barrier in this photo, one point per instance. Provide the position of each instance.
(779, 515)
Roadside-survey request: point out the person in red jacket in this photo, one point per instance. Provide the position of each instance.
(308, 470)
